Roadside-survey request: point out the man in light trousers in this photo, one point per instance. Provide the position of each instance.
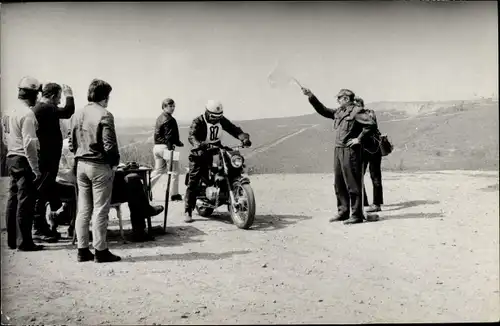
(93, 141)
(166, 136)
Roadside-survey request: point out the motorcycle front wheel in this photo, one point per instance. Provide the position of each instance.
(244, 215)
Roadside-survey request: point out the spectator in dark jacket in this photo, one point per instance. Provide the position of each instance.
(372, 157)
(48, 113)
(166, 137)
(93, 141)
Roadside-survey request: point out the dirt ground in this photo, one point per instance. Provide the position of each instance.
(433, 257)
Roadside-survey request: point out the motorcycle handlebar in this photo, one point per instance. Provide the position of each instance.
(220, 146)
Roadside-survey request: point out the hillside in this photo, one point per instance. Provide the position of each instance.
(463, 135)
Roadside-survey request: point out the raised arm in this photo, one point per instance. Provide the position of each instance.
(318, 106)
(69, 109)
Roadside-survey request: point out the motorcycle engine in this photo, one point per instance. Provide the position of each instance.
(212, 193)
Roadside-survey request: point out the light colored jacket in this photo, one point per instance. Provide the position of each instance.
(20, 127)
(92, 135)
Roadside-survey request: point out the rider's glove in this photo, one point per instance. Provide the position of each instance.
(246, 142)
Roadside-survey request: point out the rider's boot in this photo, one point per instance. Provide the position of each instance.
(188, 216)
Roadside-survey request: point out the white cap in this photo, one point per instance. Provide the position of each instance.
(30, 83)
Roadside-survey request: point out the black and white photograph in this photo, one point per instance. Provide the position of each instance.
(245, 163)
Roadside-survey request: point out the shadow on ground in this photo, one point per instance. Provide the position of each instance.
(188, 256)
(175, 236)
(410, 216)
(408, 204)
(261, 222)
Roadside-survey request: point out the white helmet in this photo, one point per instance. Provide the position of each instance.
(214, 107)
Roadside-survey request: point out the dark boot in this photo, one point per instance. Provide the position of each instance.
(338, 218)
(155, 210)
(84, 254)
(373, 208)
(177, 197)
(353, 220)
(105, 256)
(188, 216)
(31, 247)
(45, 236)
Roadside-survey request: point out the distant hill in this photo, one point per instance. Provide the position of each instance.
(434, 136)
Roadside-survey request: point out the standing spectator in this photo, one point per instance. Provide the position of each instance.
(93, 141)
(352, 124)
(372, 156)
(48, 113)
(22, 163)
(166, 136)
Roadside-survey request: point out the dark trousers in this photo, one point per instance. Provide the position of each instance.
(375, 162)
(199, 166)
(21, 202)
(128, 187)
(47, 192)
(347, 177)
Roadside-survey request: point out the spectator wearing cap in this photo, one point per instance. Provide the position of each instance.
(372, 157)
(92, 139)
(20, 127)
(166, 136)
(352, 124)
(48, 114)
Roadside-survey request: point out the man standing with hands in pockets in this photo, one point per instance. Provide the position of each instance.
(352, 123)
(166, 136)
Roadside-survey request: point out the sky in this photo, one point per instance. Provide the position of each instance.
(193, 52)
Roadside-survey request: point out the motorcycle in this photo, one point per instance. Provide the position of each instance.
(226, 184)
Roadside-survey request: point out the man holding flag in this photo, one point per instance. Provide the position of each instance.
(352, 123)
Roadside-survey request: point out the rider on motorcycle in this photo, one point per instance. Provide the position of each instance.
(206, 130)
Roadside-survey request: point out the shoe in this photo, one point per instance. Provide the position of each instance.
(372, 217)
(337, 218)
(177, 197)
(373, 208)
(31, 247)
(105, 256)
(353, 220)
(84, 254)
(46, 236)
(155, 210)
(188, 217)
(141, 237)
